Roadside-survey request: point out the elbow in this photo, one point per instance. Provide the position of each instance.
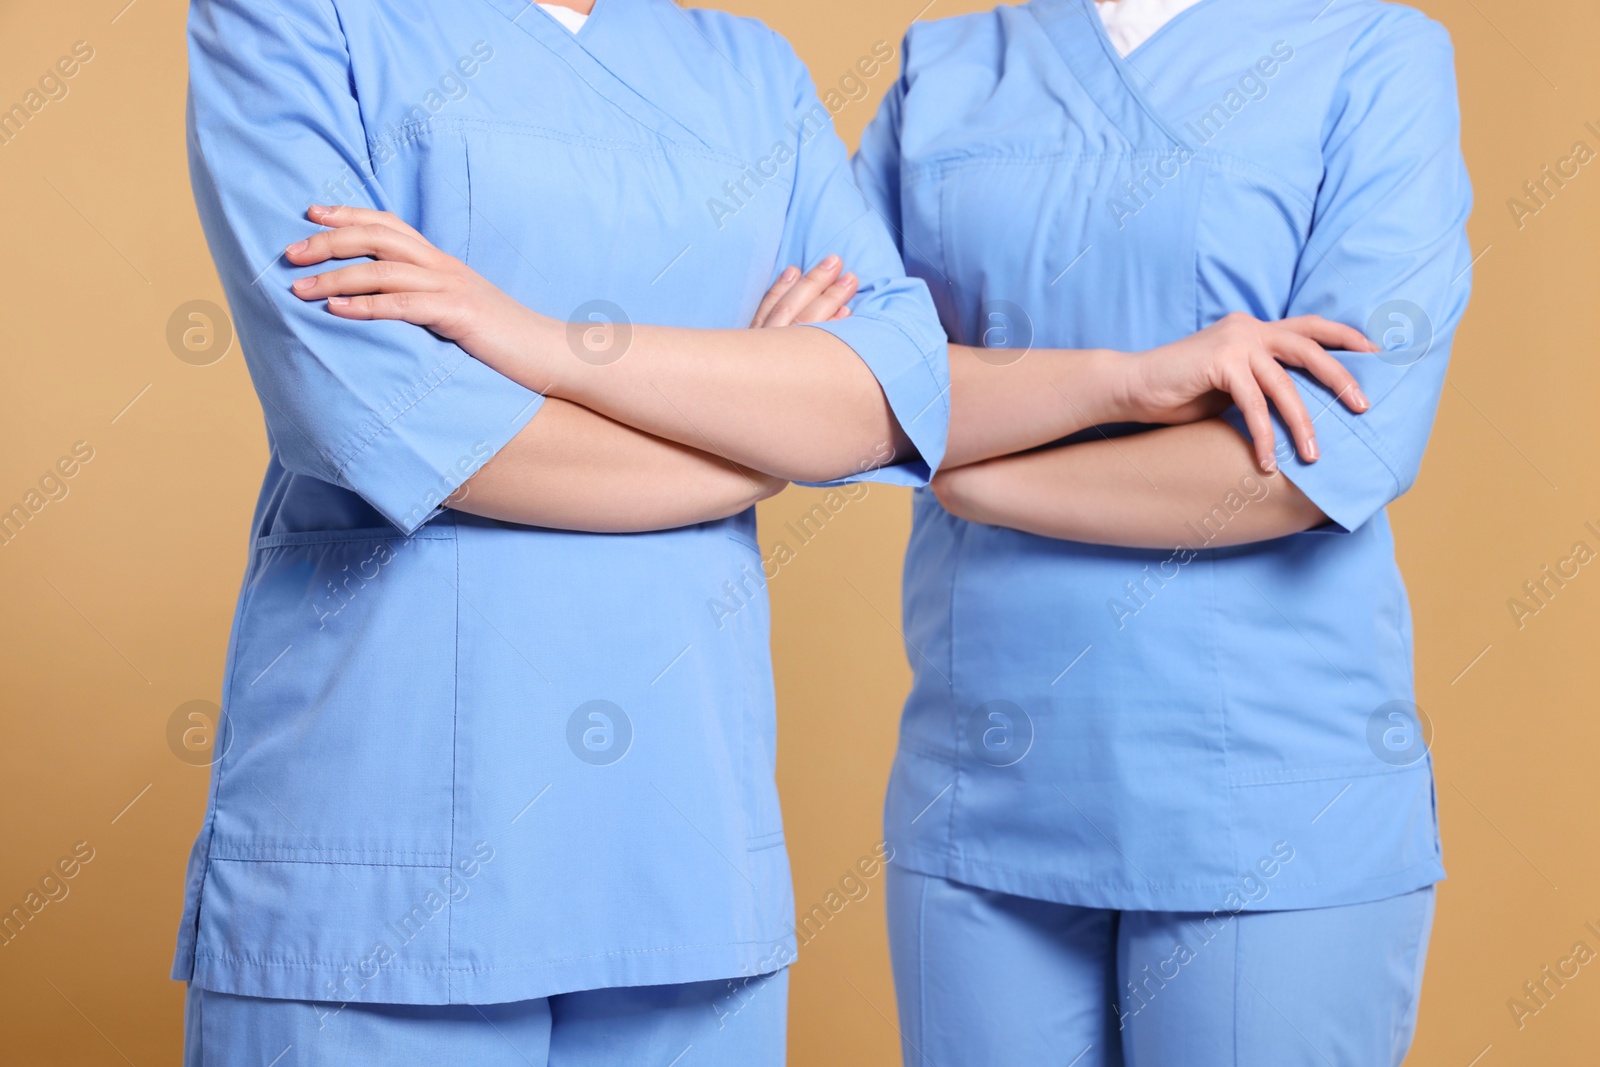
(763, 487)
(854, 454)
(954, 489)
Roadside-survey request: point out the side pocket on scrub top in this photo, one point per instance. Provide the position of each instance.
(342, 702)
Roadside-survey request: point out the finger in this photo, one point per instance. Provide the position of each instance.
(784, 283)
(354, 242)
(827, 305)
(342, 215)
(1330, 334)
(373, 276)
(1297, 350)
(1277, 384)
(423, 309)
(1257, 418)
(804, 291)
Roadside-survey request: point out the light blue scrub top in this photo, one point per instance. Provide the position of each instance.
(469, 761)
(1134, 729)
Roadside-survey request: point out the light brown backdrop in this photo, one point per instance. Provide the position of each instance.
(117, 598)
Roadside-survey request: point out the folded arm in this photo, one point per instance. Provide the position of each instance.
(571, 469)
(1196, 486)
(798, 403)
(1388, 245)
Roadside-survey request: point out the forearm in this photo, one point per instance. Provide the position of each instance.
(1195, 485)
(794, 402)
(572, 469)
(997, 408)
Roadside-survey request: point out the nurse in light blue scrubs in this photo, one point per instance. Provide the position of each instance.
(1162, 795)
(496, 782)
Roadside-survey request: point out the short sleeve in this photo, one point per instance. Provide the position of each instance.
(892, 326)
(877, 161)
(1388, 253)
(384, 409)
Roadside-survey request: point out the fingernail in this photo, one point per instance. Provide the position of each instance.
(848, 279)
(297, 247)
(1311, 451)
(320, 209)
(790, 274)
(831, 262)
(302, 284)
(338, 301)
(1269, 465)
(1361, 398)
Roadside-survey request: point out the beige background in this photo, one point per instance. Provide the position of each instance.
(117, 599)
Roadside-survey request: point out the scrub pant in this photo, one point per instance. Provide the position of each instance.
(733, 1023)
(985, 978)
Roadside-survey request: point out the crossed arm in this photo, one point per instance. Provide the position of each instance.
(695, 425)
(1144, 490)
(686, 426)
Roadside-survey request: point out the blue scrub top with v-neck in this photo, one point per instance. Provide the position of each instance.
(467, 761)
(1136, 729)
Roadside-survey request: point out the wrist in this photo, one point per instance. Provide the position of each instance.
(538, 353)
(1105, 389)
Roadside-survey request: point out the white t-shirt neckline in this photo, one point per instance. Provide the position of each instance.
(1130, 23)
(572, 20)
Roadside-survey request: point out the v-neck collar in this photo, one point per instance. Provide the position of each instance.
(573, 49)
(1103, 71)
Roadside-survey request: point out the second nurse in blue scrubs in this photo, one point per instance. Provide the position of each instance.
(1161, 795)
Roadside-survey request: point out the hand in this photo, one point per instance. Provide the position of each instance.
(402, 276)
(823, 295)
(1240, 359)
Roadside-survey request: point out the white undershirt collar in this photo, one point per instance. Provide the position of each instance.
(1130, 23)
(572, 20)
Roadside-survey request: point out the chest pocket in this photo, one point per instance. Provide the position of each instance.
(1071, 251)
(584, 228)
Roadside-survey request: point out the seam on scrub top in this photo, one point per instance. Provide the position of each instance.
(1324, 773)
(1376, 445)
(1139, 888)
(747, 542)
(412, 132)
(208, 828)
(289, 962)
(425, 861)
(466, 163)
(334, 537)
(260, 847)
(763, 842)
(960, 719)
(1351, 422)
(1253, 172)
(984, 158)
(1234, 164)
(1224, 708)
(455, 727)
(1123, 71)
(389, 425)
(937, 757)
(940, 225)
